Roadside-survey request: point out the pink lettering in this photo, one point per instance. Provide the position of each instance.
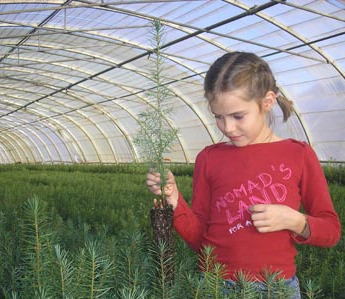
(279, 192)
(252, 186)
(255, 200)
(231, 219)
(238, 192)
(242, 208)
(229, 197)
(287, 171)
(223, 202)
(236, 228)
(265, 179)
(249, 223)
(265, 195)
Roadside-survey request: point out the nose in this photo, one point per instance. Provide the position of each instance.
(228, 126)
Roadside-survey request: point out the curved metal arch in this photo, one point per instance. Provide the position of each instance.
(6, 149)
(18, 149)
(173, 24)
(4, 157)
(98, 108)
(305, 41)
(188, 105)
(287, 3)
(103, 111)
(59, 125)
(63, 129)
(208, 30)
(82, 100)
(249, 9)
(9, 132)
(169, 23)
(39, 138)
(79, 111)
(50, 140)
(302, 125)
(10, 149)
(32, 142)
(71, 119)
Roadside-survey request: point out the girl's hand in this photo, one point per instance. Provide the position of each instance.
(270, 218)
(153, 180)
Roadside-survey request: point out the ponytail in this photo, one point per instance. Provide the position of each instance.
(285, 105)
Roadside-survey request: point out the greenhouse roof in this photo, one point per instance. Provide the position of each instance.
(75, 75)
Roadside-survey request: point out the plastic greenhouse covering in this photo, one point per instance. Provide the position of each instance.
(74, 75)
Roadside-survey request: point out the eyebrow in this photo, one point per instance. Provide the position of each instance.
(233, 113)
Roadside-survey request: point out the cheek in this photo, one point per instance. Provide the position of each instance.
(220, 124)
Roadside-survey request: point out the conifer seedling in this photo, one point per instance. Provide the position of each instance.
(156, 138)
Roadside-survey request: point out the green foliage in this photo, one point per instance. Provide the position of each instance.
(160, 277)
(156, 136)
(133, 293)
(93, 272)
(311, 289)
(213, 274)
(244, 288)
(47, 271)
(326, 265)
(101, 215)
(130, 249)
(275, 287)
(65, 271)
(335, 174)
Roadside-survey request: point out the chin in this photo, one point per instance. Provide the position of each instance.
(238, 143)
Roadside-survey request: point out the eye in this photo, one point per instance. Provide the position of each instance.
(238, 116)
(216, 116)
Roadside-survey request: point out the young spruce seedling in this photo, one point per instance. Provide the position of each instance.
(155, 139)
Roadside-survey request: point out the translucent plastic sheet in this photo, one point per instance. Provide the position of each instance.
(75, 75)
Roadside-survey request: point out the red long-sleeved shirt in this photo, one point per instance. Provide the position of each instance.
(228, 179)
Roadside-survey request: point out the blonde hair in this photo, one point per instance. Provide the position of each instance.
(247, 72)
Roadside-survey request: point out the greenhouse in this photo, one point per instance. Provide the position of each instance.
(118, 175)
(75, 74)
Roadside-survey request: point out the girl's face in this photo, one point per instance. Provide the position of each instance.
(243, 122)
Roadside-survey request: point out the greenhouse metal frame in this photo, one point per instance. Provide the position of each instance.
(74, 75)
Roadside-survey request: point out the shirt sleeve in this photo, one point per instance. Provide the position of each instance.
(323, 220)
(190, 223)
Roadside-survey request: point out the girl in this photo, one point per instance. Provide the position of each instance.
(247, 192)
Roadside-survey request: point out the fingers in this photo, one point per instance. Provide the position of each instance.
(152, 178)
(157, 204)
(153, 183)
(258, 208)
(260, 220)
(265, 217)
(259, 216)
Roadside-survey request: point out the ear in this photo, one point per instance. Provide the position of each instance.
(268, 101)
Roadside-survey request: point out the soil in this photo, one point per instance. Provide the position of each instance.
(162, 225)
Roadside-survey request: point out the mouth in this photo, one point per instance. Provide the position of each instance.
(234, 138)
